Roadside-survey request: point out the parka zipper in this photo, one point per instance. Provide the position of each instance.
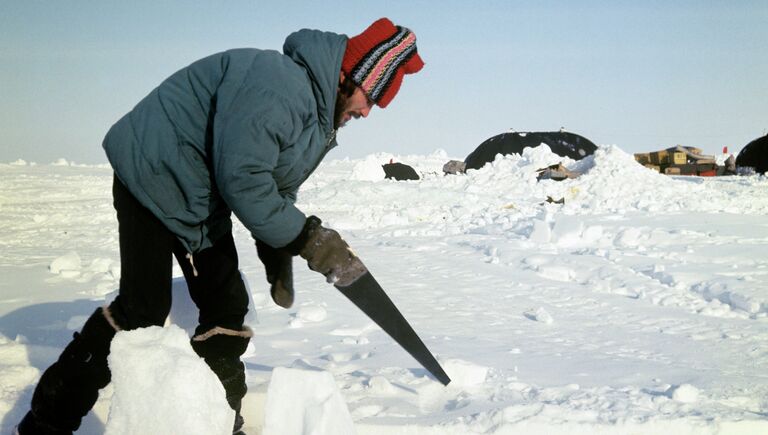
(331, 137)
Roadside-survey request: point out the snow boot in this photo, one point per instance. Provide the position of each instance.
(32, 426)
(221, 349)
(238, 426)
(69, 388)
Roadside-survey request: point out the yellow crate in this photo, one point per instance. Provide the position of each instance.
(679, 158)
(672, 171)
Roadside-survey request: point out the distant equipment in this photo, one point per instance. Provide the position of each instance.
(562, 143)
(680, 160)
(754, 155)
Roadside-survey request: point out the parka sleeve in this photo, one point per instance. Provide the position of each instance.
(247, 142)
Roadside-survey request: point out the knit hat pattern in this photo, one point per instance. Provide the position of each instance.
(377, 59)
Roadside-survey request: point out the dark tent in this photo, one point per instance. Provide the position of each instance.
(399, 171)
(561, 143)
(755, 155)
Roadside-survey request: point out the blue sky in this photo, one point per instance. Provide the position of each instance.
(641, 75)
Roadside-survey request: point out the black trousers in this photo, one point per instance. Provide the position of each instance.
(68, 389)
(147, 249)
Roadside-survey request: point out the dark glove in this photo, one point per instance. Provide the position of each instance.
(326, 252)
(278, 264)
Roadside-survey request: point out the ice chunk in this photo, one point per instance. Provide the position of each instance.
(68, 262)
(159, 363)
(304, 402)
(685, 393)
(464, 373)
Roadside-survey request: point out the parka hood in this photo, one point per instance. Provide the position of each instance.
(320, 54)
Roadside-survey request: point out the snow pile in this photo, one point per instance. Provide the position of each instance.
(505, 196)
(305, 402)
(152, 372)
(369, 169)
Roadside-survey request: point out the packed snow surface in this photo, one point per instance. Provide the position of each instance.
(639, 305)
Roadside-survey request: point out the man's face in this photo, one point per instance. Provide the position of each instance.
(354, 106)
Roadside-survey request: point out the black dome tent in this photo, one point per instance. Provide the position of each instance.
(399, 171)
(560, 142)
(755, 155)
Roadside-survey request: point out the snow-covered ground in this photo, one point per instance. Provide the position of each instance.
(640, 305)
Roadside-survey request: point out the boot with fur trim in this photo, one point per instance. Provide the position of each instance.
(221, 349)
(69, 388)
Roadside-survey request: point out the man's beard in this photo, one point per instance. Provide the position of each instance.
(338, 112)
(345, 92)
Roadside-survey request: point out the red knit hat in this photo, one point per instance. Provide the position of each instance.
(377, 59)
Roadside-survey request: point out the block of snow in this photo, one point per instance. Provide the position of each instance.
(464, 373)
(67, 262)
(161, 386)
(305, 402)
(684, 393)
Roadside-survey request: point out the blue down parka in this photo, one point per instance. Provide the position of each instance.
(237, 131)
